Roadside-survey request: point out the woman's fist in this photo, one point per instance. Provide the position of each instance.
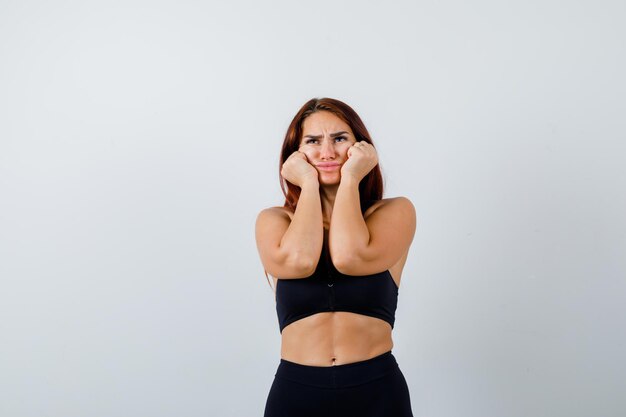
(362, 158)
(297, 170)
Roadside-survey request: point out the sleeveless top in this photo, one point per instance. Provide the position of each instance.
(327, 289)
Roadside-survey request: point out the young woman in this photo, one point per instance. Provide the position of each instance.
(336, 250)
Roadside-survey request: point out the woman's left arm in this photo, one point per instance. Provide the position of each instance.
(360, 246)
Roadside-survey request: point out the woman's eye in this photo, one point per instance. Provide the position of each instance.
(309, 141)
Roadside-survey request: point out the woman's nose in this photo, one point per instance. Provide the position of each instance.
(327, 150)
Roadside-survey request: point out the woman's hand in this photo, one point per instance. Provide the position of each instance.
(362, 158)
(297, 170)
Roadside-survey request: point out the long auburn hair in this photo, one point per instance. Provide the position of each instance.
(370, 187)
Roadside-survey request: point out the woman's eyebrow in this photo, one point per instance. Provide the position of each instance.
(332, 135)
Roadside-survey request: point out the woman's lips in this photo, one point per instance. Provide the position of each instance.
(332, 167)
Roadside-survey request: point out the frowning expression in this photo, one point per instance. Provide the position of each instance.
(325, 142)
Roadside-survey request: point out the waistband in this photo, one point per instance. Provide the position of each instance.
(338, 376)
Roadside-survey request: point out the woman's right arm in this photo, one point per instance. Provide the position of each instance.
(290, 248)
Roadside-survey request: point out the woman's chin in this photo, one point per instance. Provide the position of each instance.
(329, 179)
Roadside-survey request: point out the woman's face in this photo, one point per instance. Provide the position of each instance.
(325, 142)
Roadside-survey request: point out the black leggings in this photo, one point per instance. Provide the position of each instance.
(371, 388)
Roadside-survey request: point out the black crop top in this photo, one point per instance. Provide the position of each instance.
(327, 289)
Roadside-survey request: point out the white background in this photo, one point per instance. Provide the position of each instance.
(139, 140)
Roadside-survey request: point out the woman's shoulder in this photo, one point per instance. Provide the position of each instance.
(276, 211)
(400, 202)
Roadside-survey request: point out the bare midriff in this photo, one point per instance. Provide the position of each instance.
(335, 338)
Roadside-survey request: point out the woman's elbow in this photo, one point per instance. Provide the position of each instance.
(301, 265)
(344, 262)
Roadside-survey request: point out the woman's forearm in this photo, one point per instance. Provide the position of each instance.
(304, 238)
(348, 234)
